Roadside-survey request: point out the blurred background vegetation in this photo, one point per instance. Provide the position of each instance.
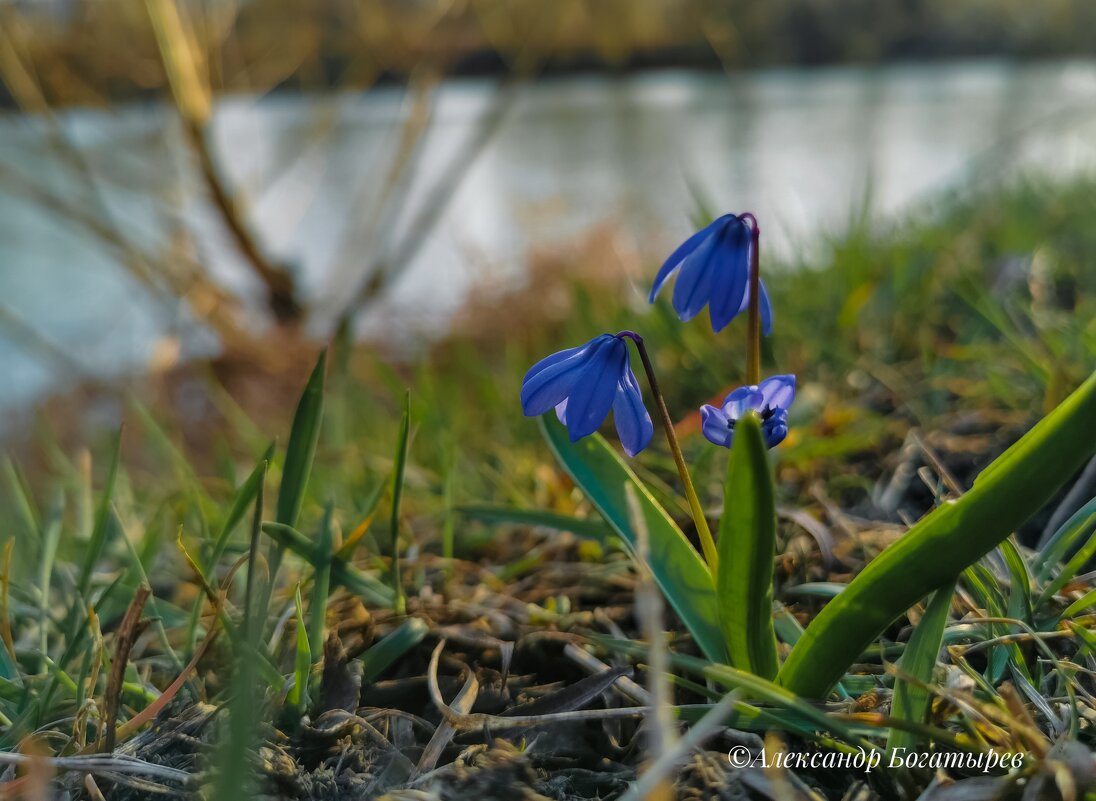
(197, 195)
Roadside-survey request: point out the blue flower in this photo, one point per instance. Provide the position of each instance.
(582, 384)
(714, 270)
(770, 400)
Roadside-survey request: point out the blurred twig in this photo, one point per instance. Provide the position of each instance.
(189, 84)
(379, 272)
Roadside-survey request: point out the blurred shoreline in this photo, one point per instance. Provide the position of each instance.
(270, 48)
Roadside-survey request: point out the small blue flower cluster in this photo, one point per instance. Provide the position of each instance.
(583, 384)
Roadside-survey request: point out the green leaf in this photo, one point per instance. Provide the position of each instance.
(747, 548)
(681, 574)
(24, 501)
(397, 495)
(302, 662)
(911, 698)
(241, 501)
(391, 647)
(299, 454)
(938, 548)
(302, 447)
(321, 584)
(102, 523)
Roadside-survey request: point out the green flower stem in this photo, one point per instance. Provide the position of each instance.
(753, 336)
(707, 542)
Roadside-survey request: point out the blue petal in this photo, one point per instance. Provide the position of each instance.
(694, 282)
(779, 391)
(775, 429)
(561, 411)
(766, 310)
(683, 250)
(732, 275)
(550, 380)
(633, 422)
(716, 426)
(594, 388)
(742, 400)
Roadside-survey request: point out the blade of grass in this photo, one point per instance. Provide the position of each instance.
(911, 699)
(24, 502)
(321, 585)
(448, 494)
(299, 453)
(241, 502)
(297, 698)
(398, 603)
(747, 550)
(102, 517)
(51, 537)
(391, 647)
(1068, 537)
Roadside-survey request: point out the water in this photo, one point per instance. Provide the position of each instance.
(799, 149)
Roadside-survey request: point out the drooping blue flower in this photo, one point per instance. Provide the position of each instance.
(582, 384)
(770, 400)
(714, 270)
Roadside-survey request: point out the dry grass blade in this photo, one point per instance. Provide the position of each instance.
(442, 736)
(127, 634)
(98, 763)
(624, 685)
(938, 465)
(473, 722)
(661, 730)
(676, 755)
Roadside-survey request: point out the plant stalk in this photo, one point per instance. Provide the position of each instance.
(707, 542)
(753, 324)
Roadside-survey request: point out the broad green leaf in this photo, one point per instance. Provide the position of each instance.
(677, 567)
(911, 698)
(816, 589)
(747, 548)
(808, 718)
(391, 647)
(939, 547)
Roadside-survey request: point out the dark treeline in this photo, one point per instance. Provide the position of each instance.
(72, 48)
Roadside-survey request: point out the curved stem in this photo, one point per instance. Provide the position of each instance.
(753, 342)
(707, 542)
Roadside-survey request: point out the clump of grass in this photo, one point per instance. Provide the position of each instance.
(964, 324)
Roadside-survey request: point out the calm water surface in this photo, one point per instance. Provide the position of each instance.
(802, 150)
